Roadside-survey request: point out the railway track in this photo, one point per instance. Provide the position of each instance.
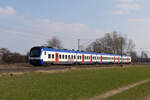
(28, 68)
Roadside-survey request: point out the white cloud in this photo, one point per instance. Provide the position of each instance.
(67, 32)
(120, 12)
(129, 6)
(38, 31)
(139, 20)
(126, 7)
(7, 11)
(125, 1)
(47, 26)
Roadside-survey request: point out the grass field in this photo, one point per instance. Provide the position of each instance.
(73, 85)
(137, 93)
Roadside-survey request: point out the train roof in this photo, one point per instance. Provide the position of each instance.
(74, 51)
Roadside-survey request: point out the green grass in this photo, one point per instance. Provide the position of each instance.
(74, 85)
(136, 93)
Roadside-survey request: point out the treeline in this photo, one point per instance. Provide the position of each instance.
(113, 43)
(8, 57)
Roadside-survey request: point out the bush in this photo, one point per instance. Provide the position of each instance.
(13, 58)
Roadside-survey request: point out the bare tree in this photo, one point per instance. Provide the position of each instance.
(54, 42)
(134, 56)
(130, 47)
(3, 51)
(144, 56)
(111, 43)
(7, 57)
(13, 58)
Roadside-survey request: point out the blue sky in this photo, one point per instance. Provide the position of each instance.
(27, 23)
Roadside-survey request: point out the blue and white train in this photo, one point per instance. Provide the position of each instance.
(45, 55)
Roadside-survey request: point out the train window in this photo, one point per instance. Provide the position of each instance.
(93, 58)
(85, 57)
(45, 53)
(53, 56)
(63, 56)
(78, 57)
(68, 56)
(74, 57)
(49, 55)
(59, 56)
(103, 58)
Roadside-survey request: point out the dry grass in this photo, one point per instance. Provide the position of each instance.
(11, 66)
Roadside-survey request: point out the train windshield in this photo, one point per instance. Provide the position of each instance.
(35, 52)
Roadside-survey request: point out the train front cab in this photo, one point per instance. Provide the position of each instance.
(35, 55)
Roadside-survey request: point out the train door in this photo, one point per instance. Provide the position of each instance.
(101, 59)
(118, 59)
(127, 60)
(91, 59)
(114, 60)
(44, 56)
(82, 58)
(57, 59)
